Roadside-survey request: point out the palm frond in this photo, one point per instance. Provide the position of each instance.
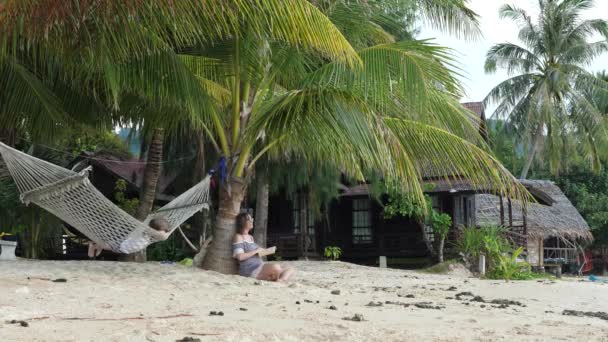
(441, 153)
(512, 57)
(359, 142)
(125, 26)
(25, 99)
(452, 16)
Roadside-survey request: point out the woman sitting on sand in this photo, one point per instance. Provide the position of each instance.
(246, 252)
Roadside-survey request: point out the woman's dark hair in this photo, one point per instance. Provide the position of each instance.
(241, 220)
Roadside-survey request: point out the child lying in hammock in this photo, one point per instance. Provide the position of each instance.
(161, 232)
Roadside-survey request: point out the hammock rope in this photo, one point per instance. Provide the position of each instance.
(72, 198)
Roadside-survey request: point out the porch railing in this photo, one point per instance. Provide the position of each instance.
(289, 245)
(517, 234)
(561, 255)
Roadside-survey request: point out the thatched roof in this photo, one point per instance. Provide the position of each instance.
(553, 215)
(123, 166)
(355, 190)
(453, 185)
(434, 186)
(480, 112)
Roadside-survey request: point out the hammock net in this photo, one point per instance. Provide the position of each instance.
(72, 198)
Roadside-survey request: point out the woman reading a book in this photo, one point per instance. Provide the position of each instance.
(248, 253)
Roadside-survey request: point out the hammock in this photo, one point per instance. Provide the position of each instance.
(72, 198)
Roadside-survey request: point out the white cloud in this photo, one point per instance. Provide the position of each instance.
(495, 30)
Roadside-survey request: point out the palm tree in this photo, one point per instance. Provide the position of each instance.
(394, 109)
(549, 81)
(364, 24)
(259, 82)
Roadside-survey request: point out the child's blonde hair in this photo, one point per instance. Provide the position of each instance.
(159, 224)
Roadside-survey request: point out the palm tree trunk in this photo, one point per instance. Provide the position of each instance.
(261, 208)
(219, 256)
(200, 218)
(440, 250)
(197, 176)
(148, 191)
(530, 158)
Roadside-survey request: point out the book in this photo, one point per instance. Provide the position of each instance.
(267, 251)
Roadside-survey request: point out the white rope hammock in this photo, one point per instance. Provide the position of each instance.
(71, 197)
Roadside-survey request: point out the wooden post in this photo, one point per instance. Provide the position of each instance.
(303, 224)
(510, 206)
(525, 219)
(377, 222)
(541, 252)
(7, 250)
(382, 262)
(502, 212)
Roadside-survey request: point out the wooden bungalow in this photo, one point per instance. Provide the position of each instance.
(355, 222)
(555, 230)
(551, 229)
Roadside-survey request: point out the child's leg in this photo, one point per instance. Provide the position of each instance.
(98, 250)
(91, 252)
(94, 249)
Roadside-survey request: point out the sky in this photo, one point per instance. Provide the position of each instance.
(471, 54)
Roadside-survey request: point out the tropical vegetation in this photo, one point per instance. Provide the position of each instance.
(550, 100)
(338, 82)
(502, 259)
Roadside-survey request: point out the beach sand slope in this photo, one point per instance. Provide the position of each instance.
(111, 301)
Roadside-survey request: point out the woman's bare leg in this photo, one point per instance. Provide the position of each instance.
(286, 273)
(270, 272)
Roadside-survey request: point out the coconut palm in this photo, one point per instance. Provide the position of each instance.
(259, 82)
(545, 97)
(364, 24)
(396, 108)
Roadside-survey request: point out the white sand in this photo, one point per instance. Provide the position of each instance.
(104, 294)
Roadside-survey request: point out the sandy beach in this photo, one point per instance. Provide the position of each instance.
(110, 301)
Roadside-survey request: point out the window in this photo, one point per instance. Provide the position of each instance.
(362, 221)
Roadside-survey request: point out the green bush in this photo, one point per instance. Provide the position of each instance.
(489, 240)
(333, 252)
(508, 268)
(129, 205)
(500, 256)
(167, 250)
(441, 224)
